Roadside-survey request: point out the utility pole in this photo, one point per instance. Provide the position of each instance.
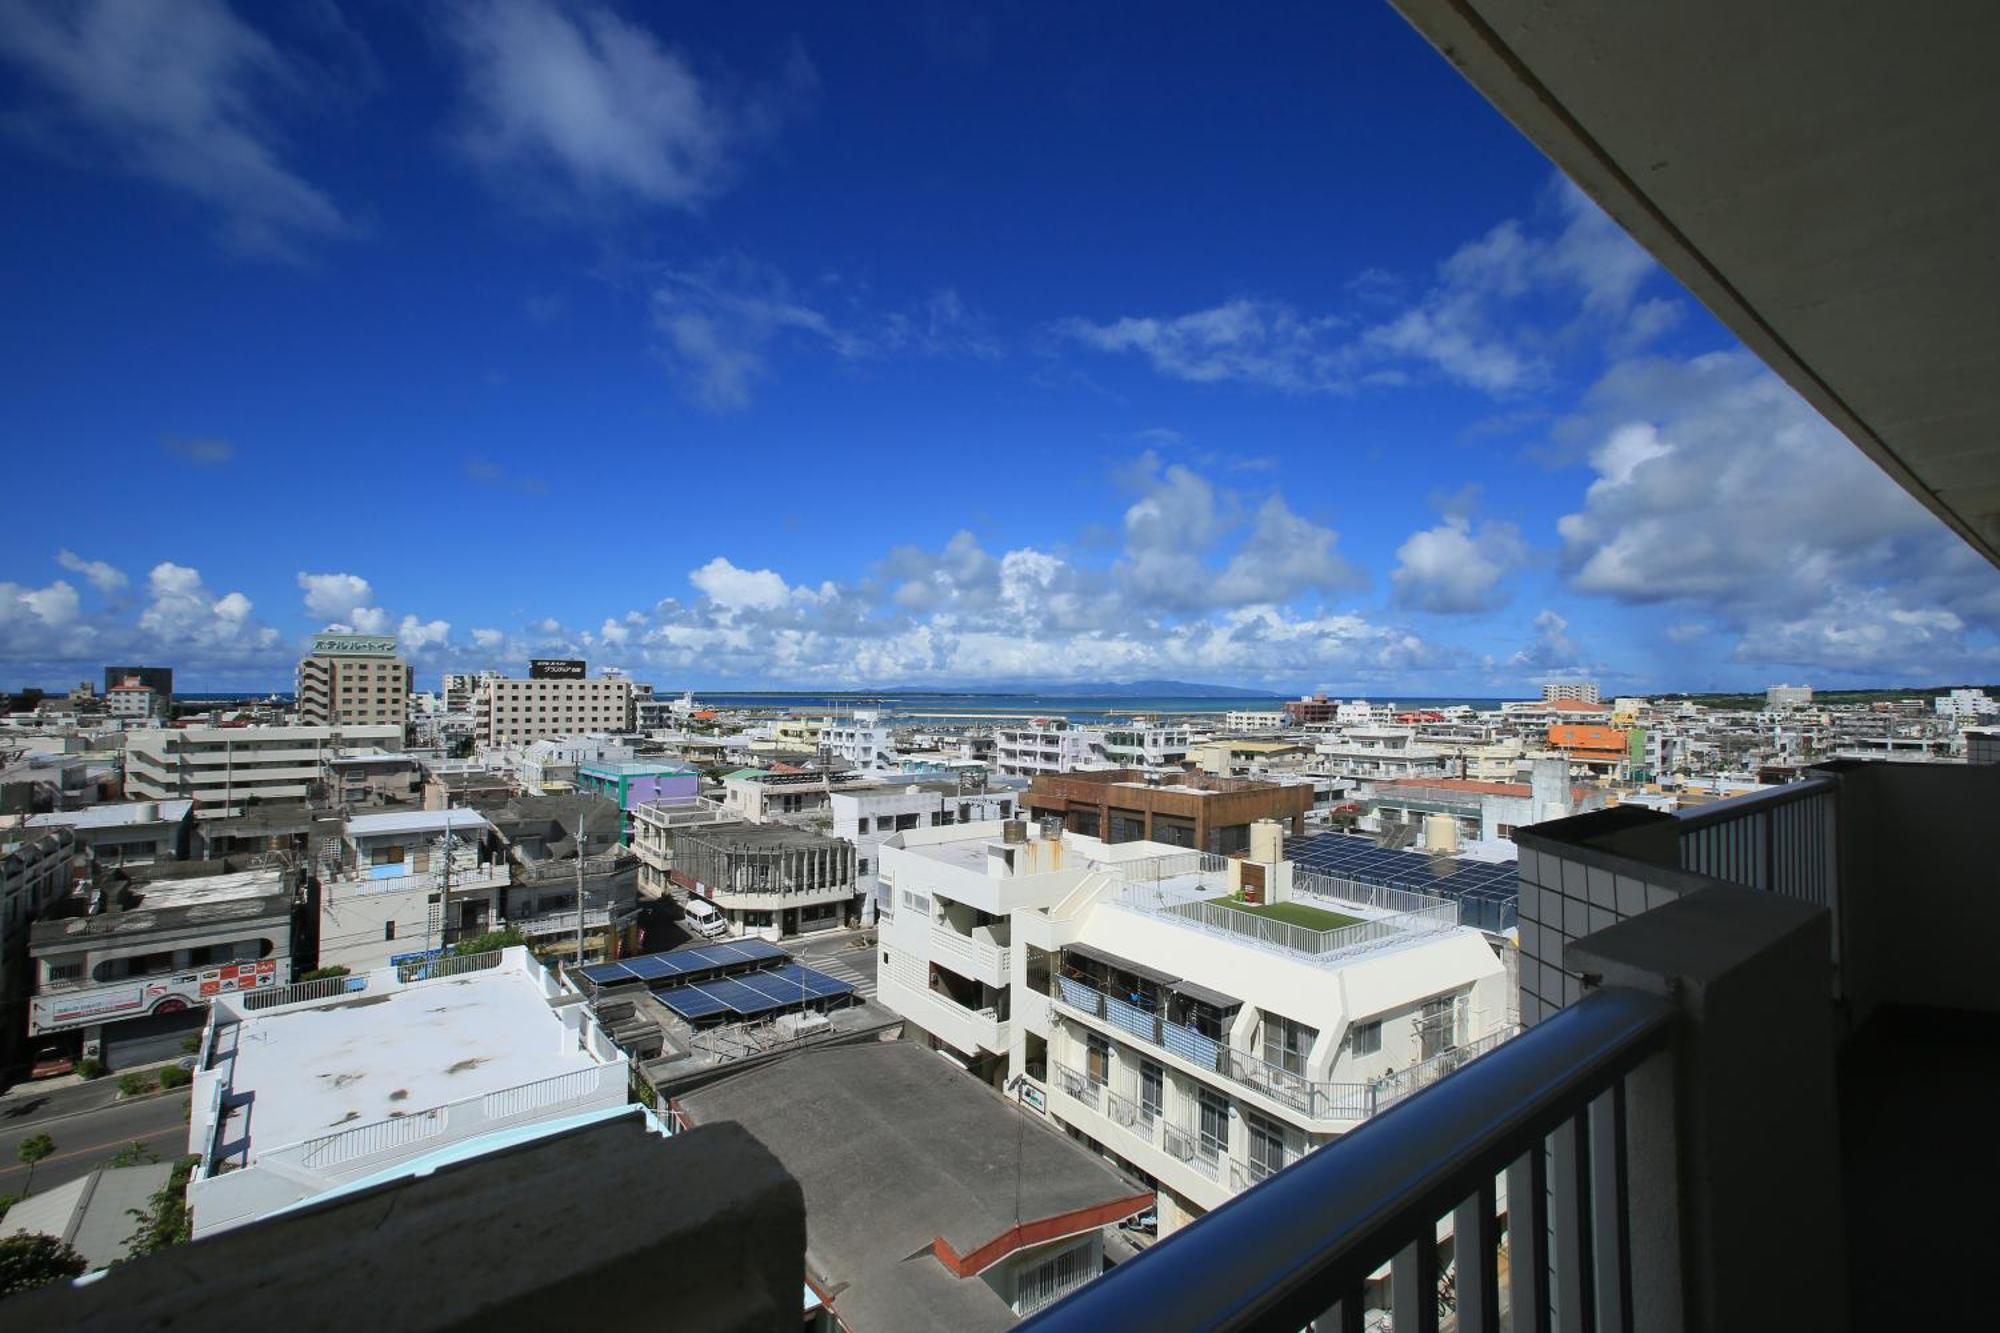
(582, 805)
(444, 888)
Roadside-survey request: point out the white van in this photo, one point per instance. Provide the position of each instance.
(704, 920)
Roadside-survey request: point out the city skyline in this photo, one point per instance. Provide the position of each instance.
(786, 355)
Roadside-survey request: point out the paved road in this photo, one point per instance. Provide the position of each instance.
(87, 1138)
(837, 957)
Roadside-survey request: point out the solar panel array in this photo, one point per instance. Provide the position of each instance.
(1486, 890)
(690, 962)
(753, 993)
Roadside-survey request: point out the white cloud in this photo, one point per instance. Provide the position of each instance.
(1551, 652)
(721, 324)
(488, 639)
(1456, 566)
(736, 589)
(104, 577)
(602, 106)
(1266, 343)
(416, 636)
(1493, 318)
(55, 606)
(1858, 635)
(177, 94)
(337, 596)
(182, 617)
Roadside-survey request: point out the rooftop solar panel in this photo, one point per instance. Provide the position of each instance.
(650, 968)
(693, 1002)
(605, 974)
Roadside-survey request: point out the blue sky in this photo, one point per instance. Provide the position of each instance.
(959, 345)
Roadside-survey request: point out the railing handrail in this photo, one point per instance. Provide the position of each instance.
(1751, 802)
(1281, 1253)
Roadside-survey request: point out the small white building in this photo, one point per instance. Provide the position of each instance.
(863, 740)
(1255, 719)
(382, 885)
(865, 818)
(340, 1083)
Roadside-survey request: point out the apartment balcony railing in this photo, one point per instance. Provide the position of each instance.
(948, 945)
(560, 871)
(1315, 1099)
(1198, 1151)
(556, 923)
(1076, 1084)
(1548, 1111)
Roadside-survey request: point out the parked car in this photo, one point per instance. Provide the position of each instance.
(704, 920)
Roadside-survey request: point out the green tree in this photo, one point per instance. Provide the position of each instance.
(32, 1150)
(32, 1260)
(491, 942)
(324, 973)
(165, 1220)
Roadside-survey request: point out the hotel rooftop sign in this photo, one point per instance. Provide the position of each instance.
(354, 645)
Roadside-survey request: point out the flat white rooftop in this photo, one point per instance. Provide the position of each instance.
(414, 821)
(115, 815)
(211, 888)
(307, 1071)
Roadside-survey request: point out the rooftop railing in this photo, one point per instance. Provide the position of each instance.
(1547, 1110)
(1778, 841)
(1304, 943)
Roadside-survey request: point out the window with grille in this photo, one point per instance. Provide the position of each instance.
(1051, 1279)
(1364, 1038)
(1287, 1043)
(1212, 1123)
(1152, 1090)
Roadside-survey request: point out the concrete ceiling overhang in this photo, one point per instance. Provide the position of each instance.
(1823, 175)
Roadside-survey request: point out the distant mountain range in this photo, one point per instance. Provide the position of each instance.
(1109, 689)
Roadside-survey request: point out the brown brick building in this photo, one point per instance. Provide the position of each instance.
(1210, 814)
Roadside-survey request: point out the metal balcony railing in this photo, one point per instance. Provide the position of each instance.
(1199, 1151)
(1548, 1110)
(1779, 841)
(1076, 1084)
(1317, 1099)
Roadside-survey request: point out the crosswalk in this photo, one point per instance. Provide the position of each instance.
(837, 967)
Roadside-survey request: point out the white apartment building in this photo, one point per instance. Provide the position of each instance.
(1155, 745)
(865, 818)
(1201, 1045)
(1576, 691)
(1043, 745)
(1788, 696)
(326, 1084)
(1966, 704)
(1052, 745)
(222, 769)
(764, 797)
(1376, 754)
(513, 711)
(863, 740)
(383, 883)
(129, 699)
(1251, 719)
